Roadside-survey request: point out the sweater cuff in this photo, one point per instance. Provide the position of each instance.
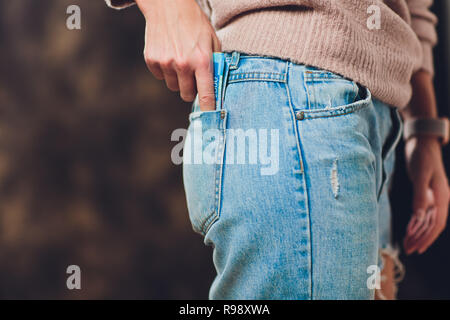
(427, 59)
(119, 4)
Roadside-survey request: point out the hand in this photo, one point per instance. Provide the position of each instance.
(179, 43)
(431, 193)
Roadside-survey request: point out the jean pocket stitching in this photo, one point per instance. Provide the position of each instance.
(321, 75)
(340, 110)
(215, 215)
(256, 76)
(204, 216)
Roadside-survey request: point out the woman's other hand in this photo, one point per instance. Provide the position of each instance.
(431, 193)
(426, 170)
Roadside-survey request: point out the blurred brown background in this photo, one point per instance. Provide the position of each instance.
(85, 171)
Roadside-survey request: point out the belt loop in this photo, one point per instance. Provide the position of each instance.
(235, 60)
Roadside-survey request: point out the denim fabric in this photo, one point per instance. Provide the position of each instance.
(309, 223)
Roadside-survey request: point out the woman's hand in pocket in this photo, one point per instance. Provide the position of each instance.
(179, 43)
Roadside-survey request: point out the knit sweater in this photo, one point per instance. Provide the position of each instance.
(377, 43)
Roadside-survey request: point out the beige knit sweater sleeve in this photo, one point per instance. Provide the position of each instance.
(119, 4)
(423, 22)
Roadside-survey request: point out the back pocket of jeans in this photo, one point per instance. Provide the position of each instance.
(203, 157)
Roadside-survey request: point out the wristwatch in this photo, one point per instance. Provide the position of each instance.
(437, 127)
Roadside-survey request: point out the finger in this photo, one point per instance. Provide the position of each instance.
(426, 224)
(155, 69)
(410, 229)
(420, 224)
(440, 191)
(416, 222)
(421, 201)
(186, 82)
(205, 85)
(423, 244)
(414, 242)
(171, 81)
(423, 223)
(408, 245)
(433, 217)
(170, 76)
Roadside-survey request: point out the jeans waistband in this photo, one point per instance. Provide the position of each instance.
(234, 58)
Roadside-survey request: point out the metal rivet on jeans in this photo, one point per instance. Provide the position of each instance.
(300, 115)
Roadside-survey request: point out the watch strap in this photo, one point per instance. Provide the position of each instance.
(438, 127)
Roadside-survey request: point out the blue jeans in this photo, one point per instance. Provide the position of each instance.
(288, 181)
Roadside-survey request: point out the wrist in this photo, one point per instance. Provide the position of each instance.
(148, 6)
(422, 144)
(414, 140)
